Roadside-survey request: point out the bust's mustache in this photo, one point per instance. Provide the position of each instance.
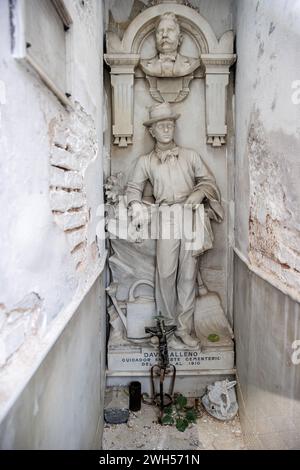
(166, 41)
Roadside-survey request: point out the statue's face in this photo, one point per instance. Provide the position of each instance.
(163, 131)
(167, 36)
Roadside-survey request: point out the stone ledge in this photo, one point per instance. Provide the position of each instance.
(180, 373)
(189, 383)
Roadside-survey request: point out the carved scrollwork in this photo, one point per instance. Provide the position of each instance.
(172, 90)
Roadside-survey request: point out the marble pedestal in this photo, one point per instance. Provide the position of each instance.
(195, 369)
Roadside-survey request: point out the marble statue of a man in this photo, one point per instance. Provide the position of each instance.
(179, 177)
(168, 62)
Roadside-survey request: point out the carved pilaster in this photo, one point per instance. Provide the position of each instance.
(216, 81)
(122, 79)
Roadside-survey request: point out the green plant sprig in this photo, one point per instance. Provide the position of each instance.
(179, 414)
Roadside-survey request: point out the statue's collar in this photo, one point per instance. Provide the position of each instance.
(167, 57)
(165, 155)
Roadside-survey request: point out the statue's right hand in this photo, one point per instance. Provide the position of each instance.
(137, 215)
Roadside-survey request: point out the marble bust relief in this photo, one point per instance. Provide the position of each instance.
(168, 62)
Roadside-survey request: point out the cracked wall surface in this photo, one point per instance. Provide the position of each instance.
(52, 170)
(19, 321)
(268, 144)
(274, 220)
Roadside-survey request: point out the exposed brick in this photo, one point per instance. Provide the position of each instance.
(61, 138)
(75, 147)
(65, 179)
(71, 220)
(76, 237)
(62, 201)
(64, 159)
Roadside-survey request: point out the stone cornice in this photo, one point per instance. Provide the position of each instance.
(218, 59)
(122, 63)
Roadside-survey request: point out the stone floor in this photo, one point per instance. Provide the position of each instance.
(143, 432)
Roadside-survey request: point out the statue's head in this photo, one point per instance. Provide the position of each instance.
(163, 131)
(162, 122)
(168, 36)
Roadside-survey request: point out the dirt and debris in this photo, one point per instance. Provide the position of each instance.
(142, 431)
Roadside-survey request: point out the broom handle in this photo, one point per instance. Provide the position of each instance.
(201, 286)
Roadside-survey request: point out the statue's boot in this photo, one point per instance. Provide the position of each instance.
(173, 343)
(188, 340)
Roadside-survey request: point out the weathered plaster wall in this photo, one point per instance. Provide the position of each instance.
(218, 13)
(62, 407)
(51, 167)
(267, 322)
(268, 144)
(267, 218)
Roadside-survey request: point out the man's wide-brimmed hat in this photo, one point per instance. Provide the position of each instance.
(160, 112)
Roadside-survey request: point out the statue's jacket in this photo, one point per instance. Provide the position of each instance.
(177, 66)
(174, 175)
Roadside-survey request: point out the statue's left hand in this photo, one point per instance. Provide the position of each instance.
(196, 198)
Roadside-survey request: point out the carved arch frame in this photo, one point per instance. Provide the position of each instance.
(216, 56)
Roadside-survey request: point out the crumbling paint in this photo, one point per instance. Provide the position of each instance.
(17, 322)
(73, 148)
(273, 234)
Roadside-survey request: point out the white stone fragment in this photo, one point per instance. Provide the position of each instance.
(30, 303)
(38, 322)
